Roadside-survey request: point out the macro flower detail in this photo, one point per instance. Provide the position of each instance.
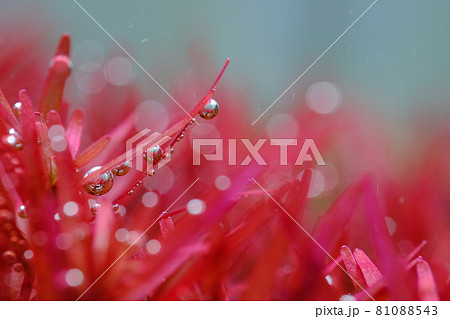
(79, 219)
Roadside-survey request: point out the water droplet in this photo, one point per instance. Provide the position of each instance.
(131, 192)
(14, 139)
(115, 207)
(151, 172)
(210, 110)
(22, 212)
(155, 153)
(17, 109)
(9, 257)
(100, 186)
(122, 169)
(94, 208)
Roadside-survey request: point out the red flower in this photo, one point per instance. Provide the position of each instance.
(71, 230)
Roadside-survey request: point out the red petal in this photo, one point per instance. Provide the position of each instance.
(171, 132)
(60, 66)
(7, 115)
(92, 151)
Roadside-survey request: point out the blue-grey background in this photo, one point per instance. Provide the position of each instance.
(397, 56)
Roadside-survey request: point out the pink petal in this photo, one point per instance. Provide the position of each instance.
(427, 288)
(352, 268)
(92, 151)
(166, 226)
(74, 132)
(59, 70)
(369, 270)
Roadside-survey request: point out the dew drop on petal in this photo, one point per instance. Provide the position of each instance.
(153, 246)
(153, 153)
(210, 110)
(122, 169)
(102, 185)
(74, 277)
(22, 212)
(70, 208)
(196, 206)
(17, 109)
(14, 139)
(57, 216)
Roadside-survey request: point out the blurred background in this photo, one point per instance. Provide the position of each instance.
(395, 59)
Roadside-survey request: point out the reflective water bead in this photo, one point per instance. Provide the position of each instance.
(155, 151)
(151, 172)
(102, 185)
(94, 208)
(17, 109)
(14, 139)
(210, 110)
(22, 211)
(122, 169)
